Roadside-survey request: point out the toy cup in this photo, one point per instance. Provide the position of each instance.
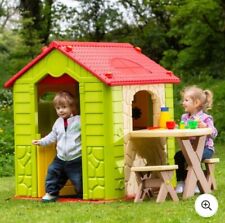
(192, 124)
(170, 124)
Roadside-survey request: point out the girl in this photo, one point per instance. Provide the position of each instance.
(66, 133)
(195, 102)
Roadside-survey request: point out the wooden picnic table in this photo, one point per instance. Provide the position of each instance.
(191, 151)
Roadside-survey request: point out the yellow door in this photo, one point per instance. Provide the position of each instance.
(45, 155)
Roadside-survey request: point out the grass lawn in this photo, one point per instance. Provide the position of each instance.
(31, 211)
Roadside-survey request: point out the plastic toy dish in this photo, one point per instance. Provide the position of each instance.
(170, 124)
(192, 124)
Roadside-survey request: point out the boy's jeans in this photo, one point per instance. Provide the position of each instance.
(60, 171)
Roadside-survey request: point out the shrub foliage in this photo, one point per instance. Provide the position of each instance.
(6, 134)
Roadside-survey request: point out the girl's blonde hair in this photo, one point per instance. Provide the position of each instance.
(63, 98)
(204, 96)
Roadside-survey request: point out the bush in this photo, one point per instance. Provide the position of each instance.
(6, 134)
(6, 100)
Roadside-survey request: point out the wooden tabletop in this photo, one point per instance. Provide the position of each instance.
(145, 133)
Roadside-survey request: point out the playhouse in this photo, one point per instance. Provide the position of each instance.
(118, 89)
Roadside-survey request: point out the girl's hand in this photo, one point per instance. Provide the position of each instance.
(36, 142)
(202, 124)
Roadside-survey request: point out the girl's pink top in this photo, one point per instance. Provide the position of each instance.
(208, 120)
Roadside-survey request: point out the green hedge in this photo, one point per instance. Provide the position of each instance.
(6, 134)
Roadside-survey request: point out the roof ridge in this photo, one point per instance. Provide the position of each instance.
(57, 44)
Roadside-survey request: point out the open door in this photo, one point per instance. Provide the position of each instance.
(47, 88)
(150, 151)
(142, 110)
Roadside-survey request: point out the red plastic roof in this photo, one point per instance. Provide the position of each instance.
(112, 63)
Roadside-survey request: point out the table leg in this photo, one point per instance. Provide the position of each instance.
(191, 180)
(194, 165)
(190, 183)
(199, 146)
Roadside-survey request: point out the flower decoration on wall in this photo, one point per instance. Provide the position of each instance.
(136, 113)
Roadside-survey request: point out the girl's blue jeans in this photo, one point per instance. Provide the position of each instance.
(181, 172)
(60, 171)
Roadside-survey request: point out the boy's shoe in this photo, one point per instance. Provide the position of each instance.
(49, 198)
(180, 187)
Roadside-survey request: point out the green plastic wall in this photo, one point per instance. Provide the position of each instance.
(102, 140)
(170, 103)
(102, 129)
